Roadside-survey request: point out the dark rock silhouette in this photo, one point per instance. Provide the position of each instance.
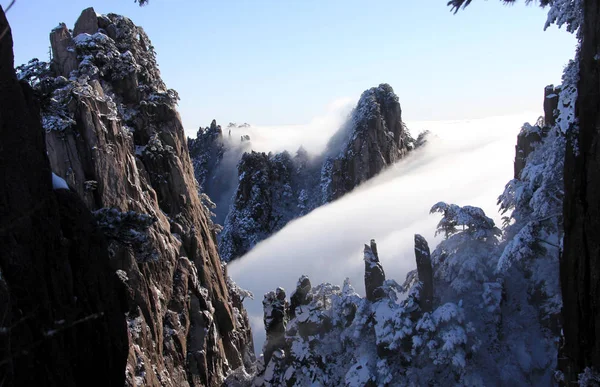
(374, 274)
(300, 296)
(425, 272)
(580, 261)
(531, 135)
(550, 104)
(87, 23)
(275, 318)
(61, 304)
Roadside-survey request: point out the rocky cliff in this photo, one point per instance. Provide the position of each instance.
(61, 304)
(274, 189)
(114, 135)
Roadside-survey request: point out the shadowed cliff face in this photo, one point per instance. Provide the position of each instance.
(580, 262)
(114, 135)
(61, 304)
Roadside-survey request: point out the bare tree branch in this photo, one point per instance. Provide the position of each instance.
(5, 11)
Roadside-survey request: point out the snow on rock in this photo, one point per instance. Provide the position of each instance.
(113, 131)
(58, 182)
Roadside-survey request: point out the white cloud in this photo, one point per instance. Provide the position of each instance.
(313, 136)
(467, 162)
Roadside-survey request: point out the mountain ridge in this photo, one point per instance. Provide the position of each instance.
(275, 188)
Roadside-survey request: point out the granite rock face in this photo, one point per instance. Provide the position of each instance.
(275, 319)
(63, 51)
(113, 133)
(62, 305)
(273, 189)
(374, 274)
(376, 138)
(425, 272)
(87, 23)
(531, 135)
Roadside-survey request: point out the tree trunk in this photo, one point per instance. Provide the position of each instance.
(580, 262)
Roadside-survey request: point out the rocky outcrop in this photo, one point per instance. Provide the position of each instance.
(375, 138)
(425, 272)
(531, 135)
(336, 337)
(114, 135)
(300, 296)
(61, 304)
(275, 319)
(580, 261)
(374, 274)
(206, 152)
(528, 137)
(87, 23)
(274, 189)
(551, 94)
(63, 51)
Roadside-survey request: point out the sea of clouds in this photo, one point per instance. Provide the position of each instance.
(464, 162)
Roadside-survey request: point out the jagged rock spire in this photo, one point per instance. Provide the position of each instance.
(374, 248)
(275, 319)
(87, 23)
(550, 104)
(374, 274)
(425, 271)
(64, 59)
(300, 296)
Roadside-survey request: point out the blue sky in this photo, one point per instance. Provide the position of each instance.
(283, 62)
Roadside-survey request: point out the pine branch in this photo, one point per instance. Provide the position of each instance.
(456, 5)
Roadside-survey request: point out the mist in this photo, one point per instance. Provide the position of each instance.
(313, 136)
(464, 162)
